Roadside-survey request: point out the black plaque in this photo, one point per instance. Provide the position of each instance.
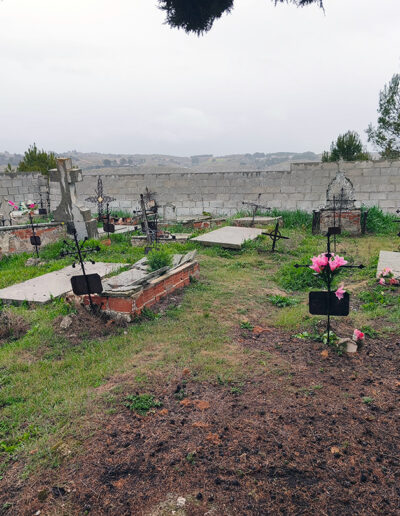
(80, 284)
(335, 230)
(42, 211)
(108, 228)
(35, 240)
(318, 304)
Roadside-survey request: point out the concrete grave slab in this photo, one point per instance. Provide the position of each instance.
(119, 228)
(261, 221)
(53, 284)
(230, 237)
(389, 259)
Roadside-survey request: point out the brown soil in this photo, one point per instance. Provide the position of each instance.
(12, 326)
(299, 439)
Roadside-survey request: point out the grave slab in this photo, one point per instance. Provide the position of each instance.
(119, 228)
(230, 237)
(262, 221)
(389, 259)
(53, 284)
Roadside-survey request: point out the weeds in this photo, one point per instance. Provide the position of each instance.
(282, 301)
(142, 403)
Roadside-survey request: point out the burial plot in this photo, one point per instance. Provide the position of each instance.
(229, 237)
(391, 260)
(339, 210)
(326, 302)
(54, 284)
(257, 221)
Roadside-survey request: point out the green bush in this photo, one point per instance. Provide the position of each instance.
(158, 258)
(379, 222)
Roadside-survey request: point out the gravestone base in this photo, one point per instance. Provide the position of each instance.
(352, 221)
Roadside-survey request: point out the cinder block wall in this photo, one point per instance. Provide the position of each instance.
(21, 186)
(303, 186)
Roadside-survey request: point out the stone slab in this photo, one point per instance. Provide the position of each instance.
(53, 284)
(119, 228)
(261, 221)
(389, 259)
(230, 237)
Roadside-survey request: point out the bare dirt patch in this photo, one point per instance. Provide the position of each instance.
(12, 326)
(315, 434)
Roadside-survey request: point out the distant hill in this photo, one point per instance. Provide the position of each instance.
(200, 163)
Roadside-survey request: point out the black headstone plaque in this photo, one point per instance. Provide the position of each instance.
(318, 304)
(42, 211)
(334, 230)
(80, 284)
(35, 240)
(108, 228)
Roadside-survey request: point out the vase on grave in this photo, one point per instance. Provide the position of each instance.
(340, 209)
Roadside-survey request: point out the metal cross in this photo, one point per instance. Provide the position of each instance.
(149, 218)
(275, 236)
(107, 226)
(255, 206)
(325, 297)
(35, 239)
(100, 198)
(91, 283)
(342, 205)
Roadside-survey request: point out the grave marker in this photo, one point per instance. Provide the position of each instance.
(255, 206)
(35, 239)
(275, 236)
(100, 199)
(326, 302)
(87, 283)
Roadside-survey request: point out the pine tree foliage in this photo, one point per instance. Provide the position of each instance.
(198, 16)
(386, 136)
(35, 160)
(348, 147)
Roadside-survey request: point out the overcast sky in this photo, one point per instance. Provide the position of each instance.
(109, 76)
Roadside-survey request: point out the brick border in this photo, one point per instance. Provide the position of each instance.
(149, 295)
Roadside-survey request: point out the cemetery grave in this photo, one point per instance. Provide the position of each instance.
(224, 395)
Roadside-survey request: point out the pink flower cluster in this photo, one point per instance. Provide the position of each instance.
(386, 277)
(358, 335)
(321, 261)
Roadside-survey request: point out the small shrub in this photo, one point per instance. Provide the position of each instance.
(379, 222)
(142, 403)
(282, 301)
(246, 325)
(158, 258)
(367, 400)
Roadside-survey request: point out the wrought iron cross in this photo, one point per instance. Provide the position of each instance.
(87, 283)
(148, 214)
(35, 239)
(324, 303)
(100, 198)
(275, 236)
(255, 206)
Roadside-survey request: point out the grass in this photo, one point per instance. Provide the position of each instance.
(49, 389)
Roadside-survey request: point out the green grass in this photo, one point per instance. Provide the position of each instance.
(50, 390)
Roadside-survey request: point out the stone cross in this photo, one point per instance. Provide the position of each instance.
(70, 211)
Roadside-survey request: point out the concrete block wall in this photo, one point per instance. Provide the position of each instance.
(221, 193)
(21, 186)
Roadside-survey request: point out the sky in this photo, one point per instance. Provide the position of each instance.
(109, 76)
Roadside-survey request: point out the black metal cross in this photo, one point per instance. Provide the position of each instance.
(255, 206)
(87, 283)
(340, 203)
(275, 236)
(35, 239)
(100, 198)
(148, 214)
(325, 302)
(42, 209)
(107, 226)
(398, 220)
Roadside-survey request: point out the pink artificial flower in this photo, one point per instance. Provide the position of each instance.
(382, 281)
(340, 292)
(31, 206)
(13, 205)
(337, 262)
(386, 271)
(319, 262)
(393, 281)
(358, 335)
